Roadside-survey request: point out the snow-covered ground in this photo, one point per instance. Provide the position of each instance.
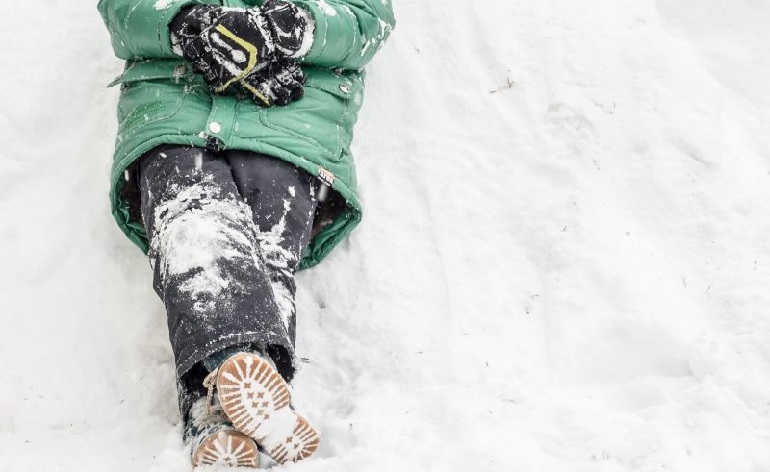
(568, 274)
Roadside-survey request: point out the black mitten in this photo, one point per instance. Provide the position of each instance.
(235, 44)
(249, 47)
(278, 84)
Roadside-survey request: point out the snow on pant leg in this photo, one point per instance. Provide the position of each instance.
(206, 262)
(283, 201)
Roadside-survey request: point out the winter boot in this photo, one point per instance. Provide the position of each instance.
(215, 441)
(254, 396)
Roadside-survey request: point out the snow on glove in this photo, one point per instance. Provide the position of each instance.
(282, 81)
(235, 44)
(189, 23)
(291, 27)
(279, 83)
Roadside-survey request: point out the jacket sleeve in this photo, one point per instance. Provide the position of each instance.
(348, 32)
(139, 28)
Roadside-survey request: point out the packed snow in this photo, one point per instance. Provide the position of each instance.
(564, 264)
(195, 237)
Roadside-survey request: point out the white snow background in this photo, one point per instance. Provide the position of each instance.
(569, 274)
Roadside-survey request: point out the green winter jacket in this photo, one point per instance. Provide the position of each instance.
(163, 102)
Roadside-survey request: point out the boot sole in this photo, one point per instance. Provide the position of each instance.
(256, 399)
(229, 448)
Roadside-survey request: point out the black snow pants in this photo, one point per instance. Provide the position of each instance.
(227, 231)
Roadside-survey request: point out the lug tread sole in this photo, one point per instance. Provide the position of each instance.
(252, 393)
(228, 448)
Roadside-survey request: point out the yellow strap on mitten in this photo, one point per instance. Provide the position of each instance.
(250, 49)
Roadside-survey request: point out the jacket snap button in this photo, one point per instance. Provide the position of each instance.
(345, 88)
(181, 69)
(214, 127)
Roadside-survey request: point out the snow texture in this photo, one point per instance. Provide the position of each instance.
(280, 260)
(564, 264)
(195, 233)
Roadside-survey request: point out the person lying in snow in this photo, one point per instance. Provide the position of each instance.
(232, 170)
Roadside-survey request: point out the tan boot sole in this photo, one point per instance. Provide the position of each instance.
(230, 448)
(256, 399)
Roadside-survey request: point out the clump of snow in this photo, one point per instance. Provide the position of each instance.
(198, 230)
(163, 4)
(570, 273)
